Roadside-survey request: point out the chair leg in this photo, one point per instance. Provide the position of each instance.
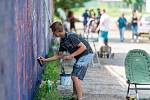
(137, 96)
(128, 89)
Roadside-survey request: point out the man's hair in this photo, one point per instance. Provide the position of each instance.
(104, 10)
(57, 27)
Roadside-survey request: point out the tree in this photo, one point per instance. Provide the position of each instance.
(128, 2)
(68, 3)
(137, 4)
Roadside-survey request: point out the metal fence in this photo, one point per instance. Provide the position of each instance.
(24, 36)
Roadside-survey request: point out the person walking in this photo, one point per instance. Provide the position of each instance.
(98, 17)
(72, 19)
(122, 23)
(103, 26)
(134, 27)
(85, 16)
(79, 49)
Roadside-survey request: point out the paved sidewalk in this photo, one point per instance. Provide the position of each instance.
(99, 84)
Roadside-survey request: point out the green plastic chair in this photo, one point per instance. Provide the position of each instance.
(137, 69)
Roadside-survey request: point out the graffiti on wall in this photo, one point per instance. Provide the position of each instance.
(25, 27)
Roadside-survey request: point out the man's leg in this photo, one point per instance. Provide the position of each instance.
(120, 31)
(74, 90)
(132, 27)
(77, 87)
(137, 34)
(123, 31)
(78, 73)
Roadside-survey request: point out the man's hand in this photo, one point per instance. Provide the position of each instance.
(69, 57)
(42, 59)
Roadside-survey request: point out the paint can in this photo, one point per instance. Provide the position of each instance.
(65, 79)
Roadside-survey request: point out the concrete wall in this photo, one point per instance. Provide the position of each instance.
(23, 37)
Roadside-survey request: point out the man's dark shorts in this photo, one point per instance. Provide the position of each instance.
(80, 67)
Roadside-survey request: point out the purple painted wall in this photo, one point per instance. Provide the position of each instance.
(23, 37)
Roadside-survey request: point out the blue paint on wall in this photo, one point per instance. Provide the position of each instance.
(23, 37)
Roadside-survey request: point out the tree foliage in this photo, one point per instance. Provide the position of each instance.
(137, 4)
(68, 3)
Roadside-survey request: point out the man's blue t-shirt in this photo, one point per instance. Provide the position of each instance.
(122, 22)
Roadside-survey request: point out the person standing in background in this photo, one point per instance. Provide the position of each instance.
(134, 27)
(85, 19)
(98, 16)
(92, 13)
(72, 20)
(103, 26)
(122, 23)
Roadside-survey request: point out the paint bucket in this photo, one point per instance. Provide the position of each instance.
(65, 79)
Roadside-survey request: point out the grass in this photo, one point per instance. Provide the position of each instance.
(51, 72)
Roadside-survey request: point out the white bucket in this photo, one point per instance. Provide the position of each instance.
(65, 79)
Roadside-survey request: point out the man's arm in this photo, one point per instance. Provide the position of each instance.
(54, 57)
(81, 49)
